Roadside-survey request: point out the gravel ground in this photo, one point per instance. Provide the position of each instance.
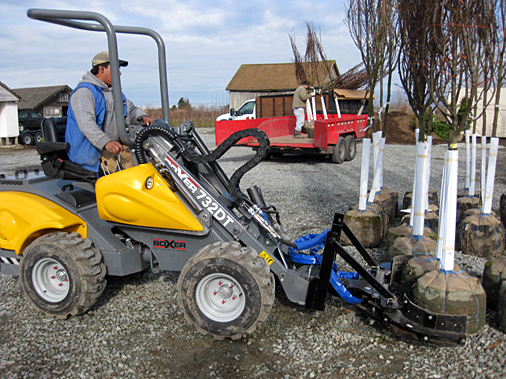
(136, 329)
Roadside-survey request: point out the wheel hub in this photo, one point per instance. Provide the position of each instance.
(50, 280)
(225, 291)
(220, 297)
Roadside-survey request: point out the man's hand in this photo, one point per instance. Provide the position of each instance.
(114, 147)
(147, 120)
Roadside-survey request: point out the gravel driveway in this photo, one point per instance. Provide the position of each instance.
(136, 329)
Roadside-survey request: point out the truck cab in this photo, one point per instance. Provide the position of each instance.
(245, 112)
(29, 120)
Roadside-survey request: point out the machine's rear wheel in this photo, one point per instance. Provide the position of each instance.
(339, 151)
(351, 147)
(61, 274)
(226, 290)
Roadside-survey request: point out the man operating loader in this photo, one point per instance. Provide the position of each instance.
(91, 122)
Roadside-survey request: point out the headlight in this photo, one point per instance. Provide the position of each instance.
(149, 183)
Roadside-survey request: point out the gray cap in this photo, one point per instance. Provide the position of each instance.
(103, 57)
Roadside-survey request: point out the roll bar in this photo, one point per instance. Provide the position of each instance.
(69, 19)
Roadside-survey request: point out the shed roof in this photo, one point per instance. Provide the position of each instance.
(6, 94)
(35, 96)
(352, 94)
(271, 77)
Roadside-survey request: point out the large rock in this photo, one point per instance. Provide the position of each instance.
(405, 230)
(406, 202)
(431, 218)
(410, 245)
(389, 199)
(369, 226)
(464, 203)
(501, 310)
(494, 274)
(417, 267)
(451, 293)
(502, 209)
(481, 235)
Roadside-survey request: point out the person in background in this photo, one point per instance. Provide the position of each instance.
(299, 103)
(91, 130)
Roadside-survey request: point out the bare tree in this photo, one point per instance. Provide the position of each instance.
(313, 64)
(372, 25)
(414, 21)
(462, 40)
(501, 35)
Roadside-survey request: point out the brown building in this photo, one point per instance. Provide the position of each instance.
(253, 80)
(50, 101)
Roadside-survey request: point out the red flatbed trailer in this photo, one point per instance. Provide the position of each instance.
(335, 136)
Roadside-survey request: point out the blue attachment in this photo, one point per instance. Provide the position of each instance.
(315, 242)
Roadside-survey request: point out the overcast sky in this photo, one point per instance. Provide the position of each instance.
(206, 42)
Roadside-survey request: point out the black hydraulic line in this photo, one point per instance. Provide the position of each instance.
(214, 165)
(160, 128)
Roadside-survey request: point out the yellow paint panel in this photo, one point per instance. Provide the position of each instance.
(24, 217)
(123, 197)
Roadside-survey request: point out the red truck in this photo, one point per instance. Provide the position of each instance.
(334, 136)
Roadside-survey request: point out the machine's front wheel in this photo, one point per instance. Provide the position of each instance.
(226, 290)
(61, 274)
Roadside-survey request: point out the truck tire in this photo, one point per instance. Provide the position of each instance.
(62, 274)
(339, 151)
(27, 139)
(38, 137)
(351, 147)
(226, 290)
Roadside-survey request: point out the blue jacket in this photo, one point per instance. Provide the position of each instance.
(81, 151)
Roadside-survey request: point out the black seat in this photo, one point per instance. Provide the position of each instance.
(53, 153)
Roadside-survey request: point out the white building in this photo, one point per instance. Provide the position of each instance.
(9, 130)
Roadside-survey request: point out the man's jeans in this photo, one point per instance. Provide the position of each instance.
(299, 114)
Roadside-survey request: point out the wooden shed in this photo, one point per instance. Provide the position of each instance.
(253, 80)
(52, 101)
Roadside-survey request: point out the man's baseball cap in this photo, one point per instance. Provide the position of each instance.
(103, 57)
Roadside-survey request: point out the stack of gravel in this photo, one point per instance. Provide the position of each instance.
(136, 329)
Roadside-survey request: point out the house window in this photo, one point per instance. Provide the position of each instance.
(64, 97)
(52, 112)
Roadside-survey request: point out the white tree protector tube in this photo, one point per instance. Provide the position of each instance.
(421, 179)
(337, 107)
(468, 160)
(445, 250)
(472, 182)
(413, 193)
(313, 101)
(324, 108)
(376, 137)
(364, 176)
(427, 175)
(309, 112)
(382, 150)
(483, 172)
(489, 188)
